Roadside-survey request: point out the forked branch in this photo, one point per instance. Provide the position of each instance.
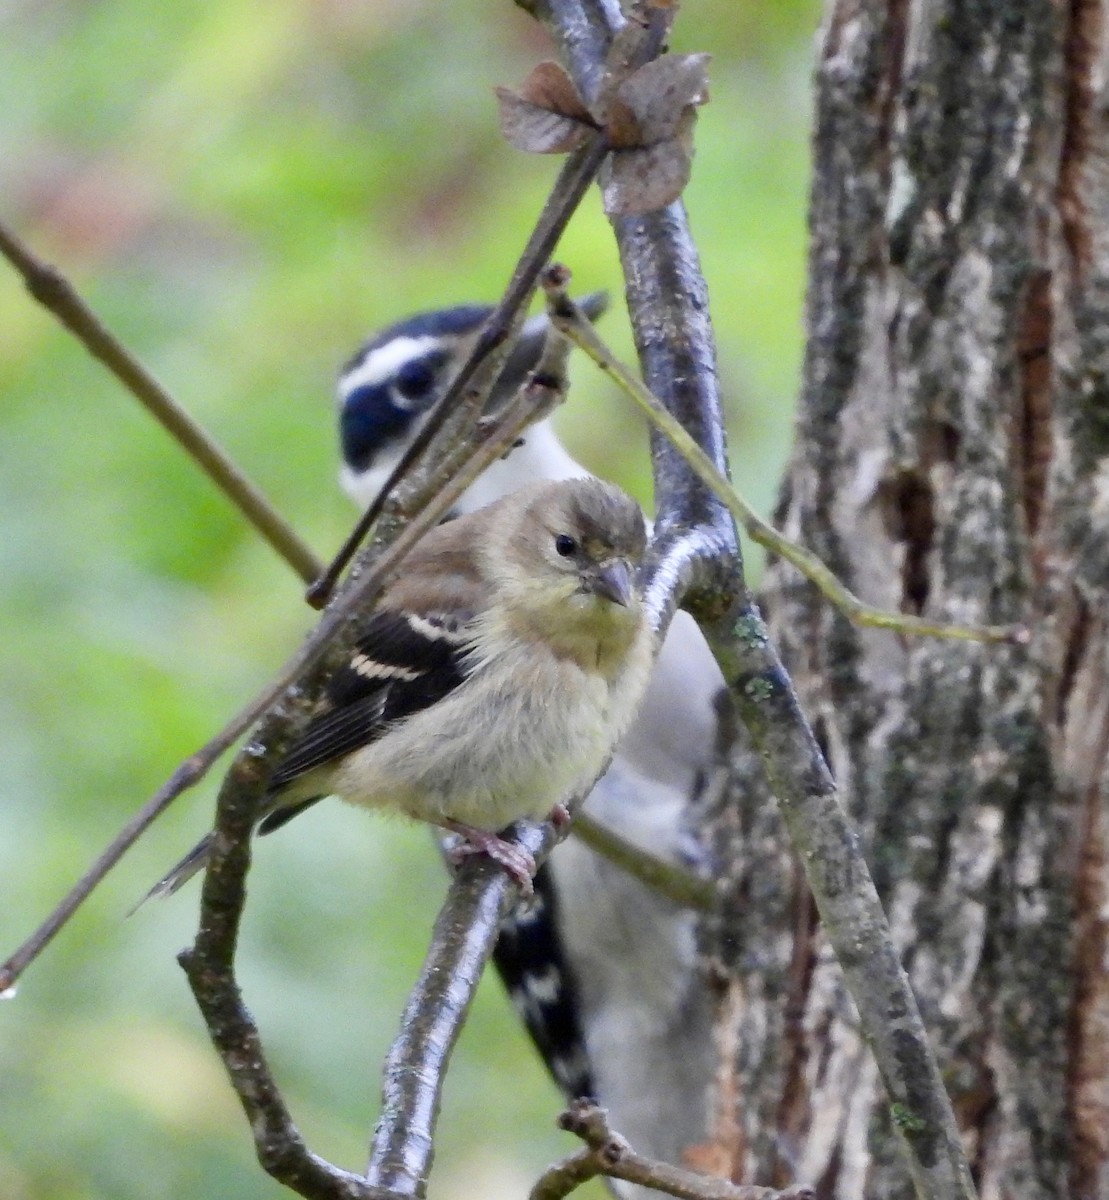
(610, 1155)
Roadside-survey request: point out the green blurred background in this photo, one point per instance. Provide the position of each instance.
(243, 192)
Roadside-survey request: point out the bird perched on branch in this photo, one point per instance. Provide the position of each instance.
(602, 968)
(493, 677)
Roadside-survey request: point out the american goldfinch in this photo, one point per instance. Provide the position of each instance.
(603, 970)
(493, 677)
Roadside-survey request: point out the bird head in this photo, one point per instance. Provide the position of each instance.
(388, 387)
(573, 558)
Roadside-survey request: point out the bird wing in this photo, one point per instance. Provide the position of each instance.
(411, 653)
(402, 662)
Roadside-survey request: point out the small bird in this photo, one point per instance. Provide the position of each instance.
(491, 680)
(603, 970)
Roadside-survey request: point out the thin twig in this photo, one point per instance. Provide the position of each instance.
(567, 317)
(55, 293)
(577, 173)
(189, 773)
(451, 447)
(571, 185)
(611, 1155)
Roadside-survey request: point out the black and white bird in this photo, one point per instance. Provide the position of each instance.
(603, 970)
(491, 680)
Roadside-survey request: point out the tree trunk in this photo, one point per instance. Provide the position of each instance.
(952, 458)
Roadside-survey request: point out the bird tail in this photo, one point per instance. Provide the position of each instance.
(194, 861)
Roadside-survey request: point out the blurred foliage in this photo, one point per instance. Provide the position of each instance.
(243, 192)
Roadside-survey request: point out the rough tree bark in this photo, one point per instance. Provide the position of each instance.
(952, 457)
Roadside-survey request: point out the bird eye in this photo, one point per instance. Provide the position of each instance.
(566, 545)
(415, 379)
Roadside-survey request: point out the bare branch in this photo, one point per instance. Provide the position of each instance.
(415, 1069)
(55, 293)
(610, 1155)
(189, 773)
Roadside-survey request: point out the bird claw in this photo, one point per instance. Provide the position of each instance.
(514, 859)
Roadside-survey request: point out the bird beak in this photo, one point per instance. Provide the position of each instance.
(614, 582)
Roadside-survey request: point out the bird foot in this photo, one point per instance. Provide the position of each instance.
(559, 817)
(516, 861)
